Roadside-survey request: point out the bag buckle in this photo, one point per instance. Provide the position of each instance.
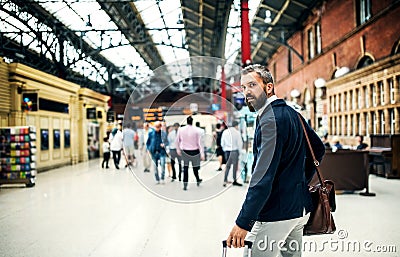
(316, 163)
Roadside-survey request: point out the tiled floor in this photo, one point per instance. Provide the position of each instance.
(83, 210)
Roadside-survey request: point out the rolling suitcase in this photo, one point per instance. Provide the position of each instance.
(248, 246)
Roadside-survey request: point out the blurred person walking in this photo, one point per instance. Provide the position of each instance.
(219, 151)
(116, 145)
(232, 144)
(143, 136)
(172, 152)
(203, 139)
(128, 136)
(156, 144)
(188, 145)
(106, 153)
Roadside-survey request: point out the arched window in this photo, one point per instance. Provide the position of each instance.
(396, 48)
(365, 61)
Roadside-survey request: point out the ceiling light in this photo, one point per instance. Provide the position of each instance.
(180, 21)
(319, 83)
(267, 16)
(295, 93)
(341, 72)
(88, 23)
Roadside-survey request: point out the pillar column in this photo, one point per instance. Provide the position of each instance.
(396, 90)
(386, 90)
(223, 89)
(370, 98)
(370, 123)
(387, 121)
(362, 122)
(82, 125)
(17, 116)
(74, 129)
(245, 29)
(356, 123)
(378, 122)
(378, 94)
(335, 125)
(397, 118)
(362, 100)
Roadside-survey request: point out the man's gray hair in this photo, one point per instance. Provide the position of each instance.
(261, 70)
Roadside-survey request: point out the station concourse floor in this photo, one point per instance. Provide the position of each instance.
(83, 210)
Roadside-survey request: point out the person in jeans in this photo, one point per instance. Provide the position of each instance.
(106, 152)
(156, 143)
(188, 145)
(277, 203)
(232, 144)
(172, 152)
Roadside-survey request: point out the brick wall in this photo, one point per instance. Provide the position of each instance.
(340, 37)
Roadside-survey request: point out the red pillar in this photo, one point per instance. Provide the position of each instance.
(245, 29)
(223, 89)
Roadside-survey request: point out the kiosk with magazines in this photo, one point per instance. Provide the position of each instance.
(17, 155)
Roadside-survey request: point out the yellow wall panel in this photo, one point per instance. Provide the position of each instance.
(44, 122)
(56, 123)
(66, 124)
(5, 92)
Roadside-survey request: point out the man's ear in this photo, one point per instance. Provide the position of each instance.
(269, 89)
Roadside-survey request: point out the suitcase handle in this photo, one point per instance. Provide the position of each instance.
(249, 244)
(246, 243)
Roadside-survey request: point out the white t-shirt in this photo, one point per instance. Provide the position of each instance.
(231, 140)
(171, 139)
(128, 135)
(106, 147)
(116, 143)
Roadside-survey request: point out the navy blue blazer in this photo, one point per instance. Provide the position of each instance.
(282, 167)
(154, 140)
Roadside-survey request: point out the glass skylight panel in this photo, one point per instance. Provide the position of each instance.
(169, 6)
(176, 40)
(150, 14)
(170, 12)
(96, 28)
(11, 24)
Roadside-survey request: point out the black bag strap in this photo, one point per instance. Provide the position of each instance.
(316, 162)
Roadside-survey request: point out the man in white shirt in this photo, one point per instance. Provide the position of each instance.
(143, 136)
(203, 137)
(232, 143)
(172, 152)
(116, 145)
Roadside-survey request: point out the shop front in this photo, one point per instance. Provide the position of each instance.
(57, 109)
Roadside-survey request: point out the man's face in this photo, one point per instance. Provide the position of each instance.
(157, 126)
(254, 90)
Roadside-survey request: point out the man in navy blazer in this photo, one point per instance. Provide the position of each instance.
(278, 202)
(156, 143)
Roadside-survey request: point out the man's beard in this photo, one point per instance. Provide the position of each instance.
(257, 103)
(251, 108)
